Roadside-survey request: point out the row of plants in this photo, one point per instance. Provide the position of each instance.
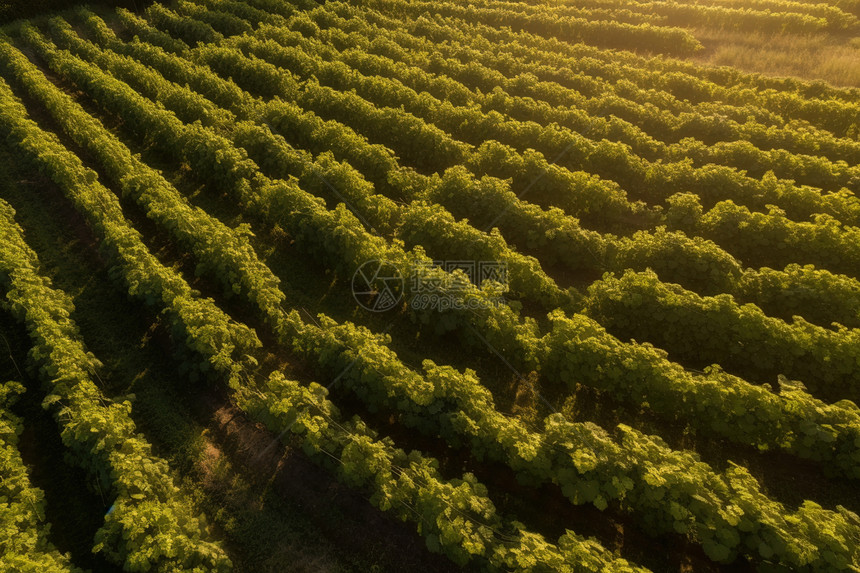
(26, 546)
(709, 276)
(768, 239)
(819, 296)
(516, 345)
(377, 162)
(599, 204)
(455, 516)
(178, 25)
(337, 236)
(606, 34)
(579, 351)
(223, 22)
(219, 249)
(766, 182)
(836, 13)
(594, 250)
(772, 184)
(594, 11)
(804, 164)
(302, 56)
(455, 526)
(266, 296)
(290, 49)
(153, 526)
(831, 109)
(256, 15)
(769, 16)
(520, 350)
(443, 236)
(311, 340)
(558, 240)
(145, 50)
(821, 9)
(561, 81)
(727, 76)
(631, 251)
(699, 331)
(748, 433)
(669, 491)
(142, 30)
(420, 144)
(747, 19)
(652, 181)
(187, 105)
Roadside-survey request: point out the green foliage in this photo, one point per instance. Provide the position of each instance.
(769, 238)
(211, 339)
(100, 434)
(516, 345)
(17, 9)
(716, 92)
(580, 351)
(25, 533)
(455, 516)
(652, 181)
(700, 331)
(389, 133)
(606, 33)
(192, 31)
(819, 296)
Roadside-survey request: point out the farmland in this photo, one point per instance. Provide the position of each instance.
(395, 285)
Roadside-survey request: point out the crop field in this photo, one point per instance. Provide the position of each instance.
(401, 285)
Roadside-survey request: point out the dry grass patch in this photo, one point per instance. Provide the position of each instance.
(833, 59)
